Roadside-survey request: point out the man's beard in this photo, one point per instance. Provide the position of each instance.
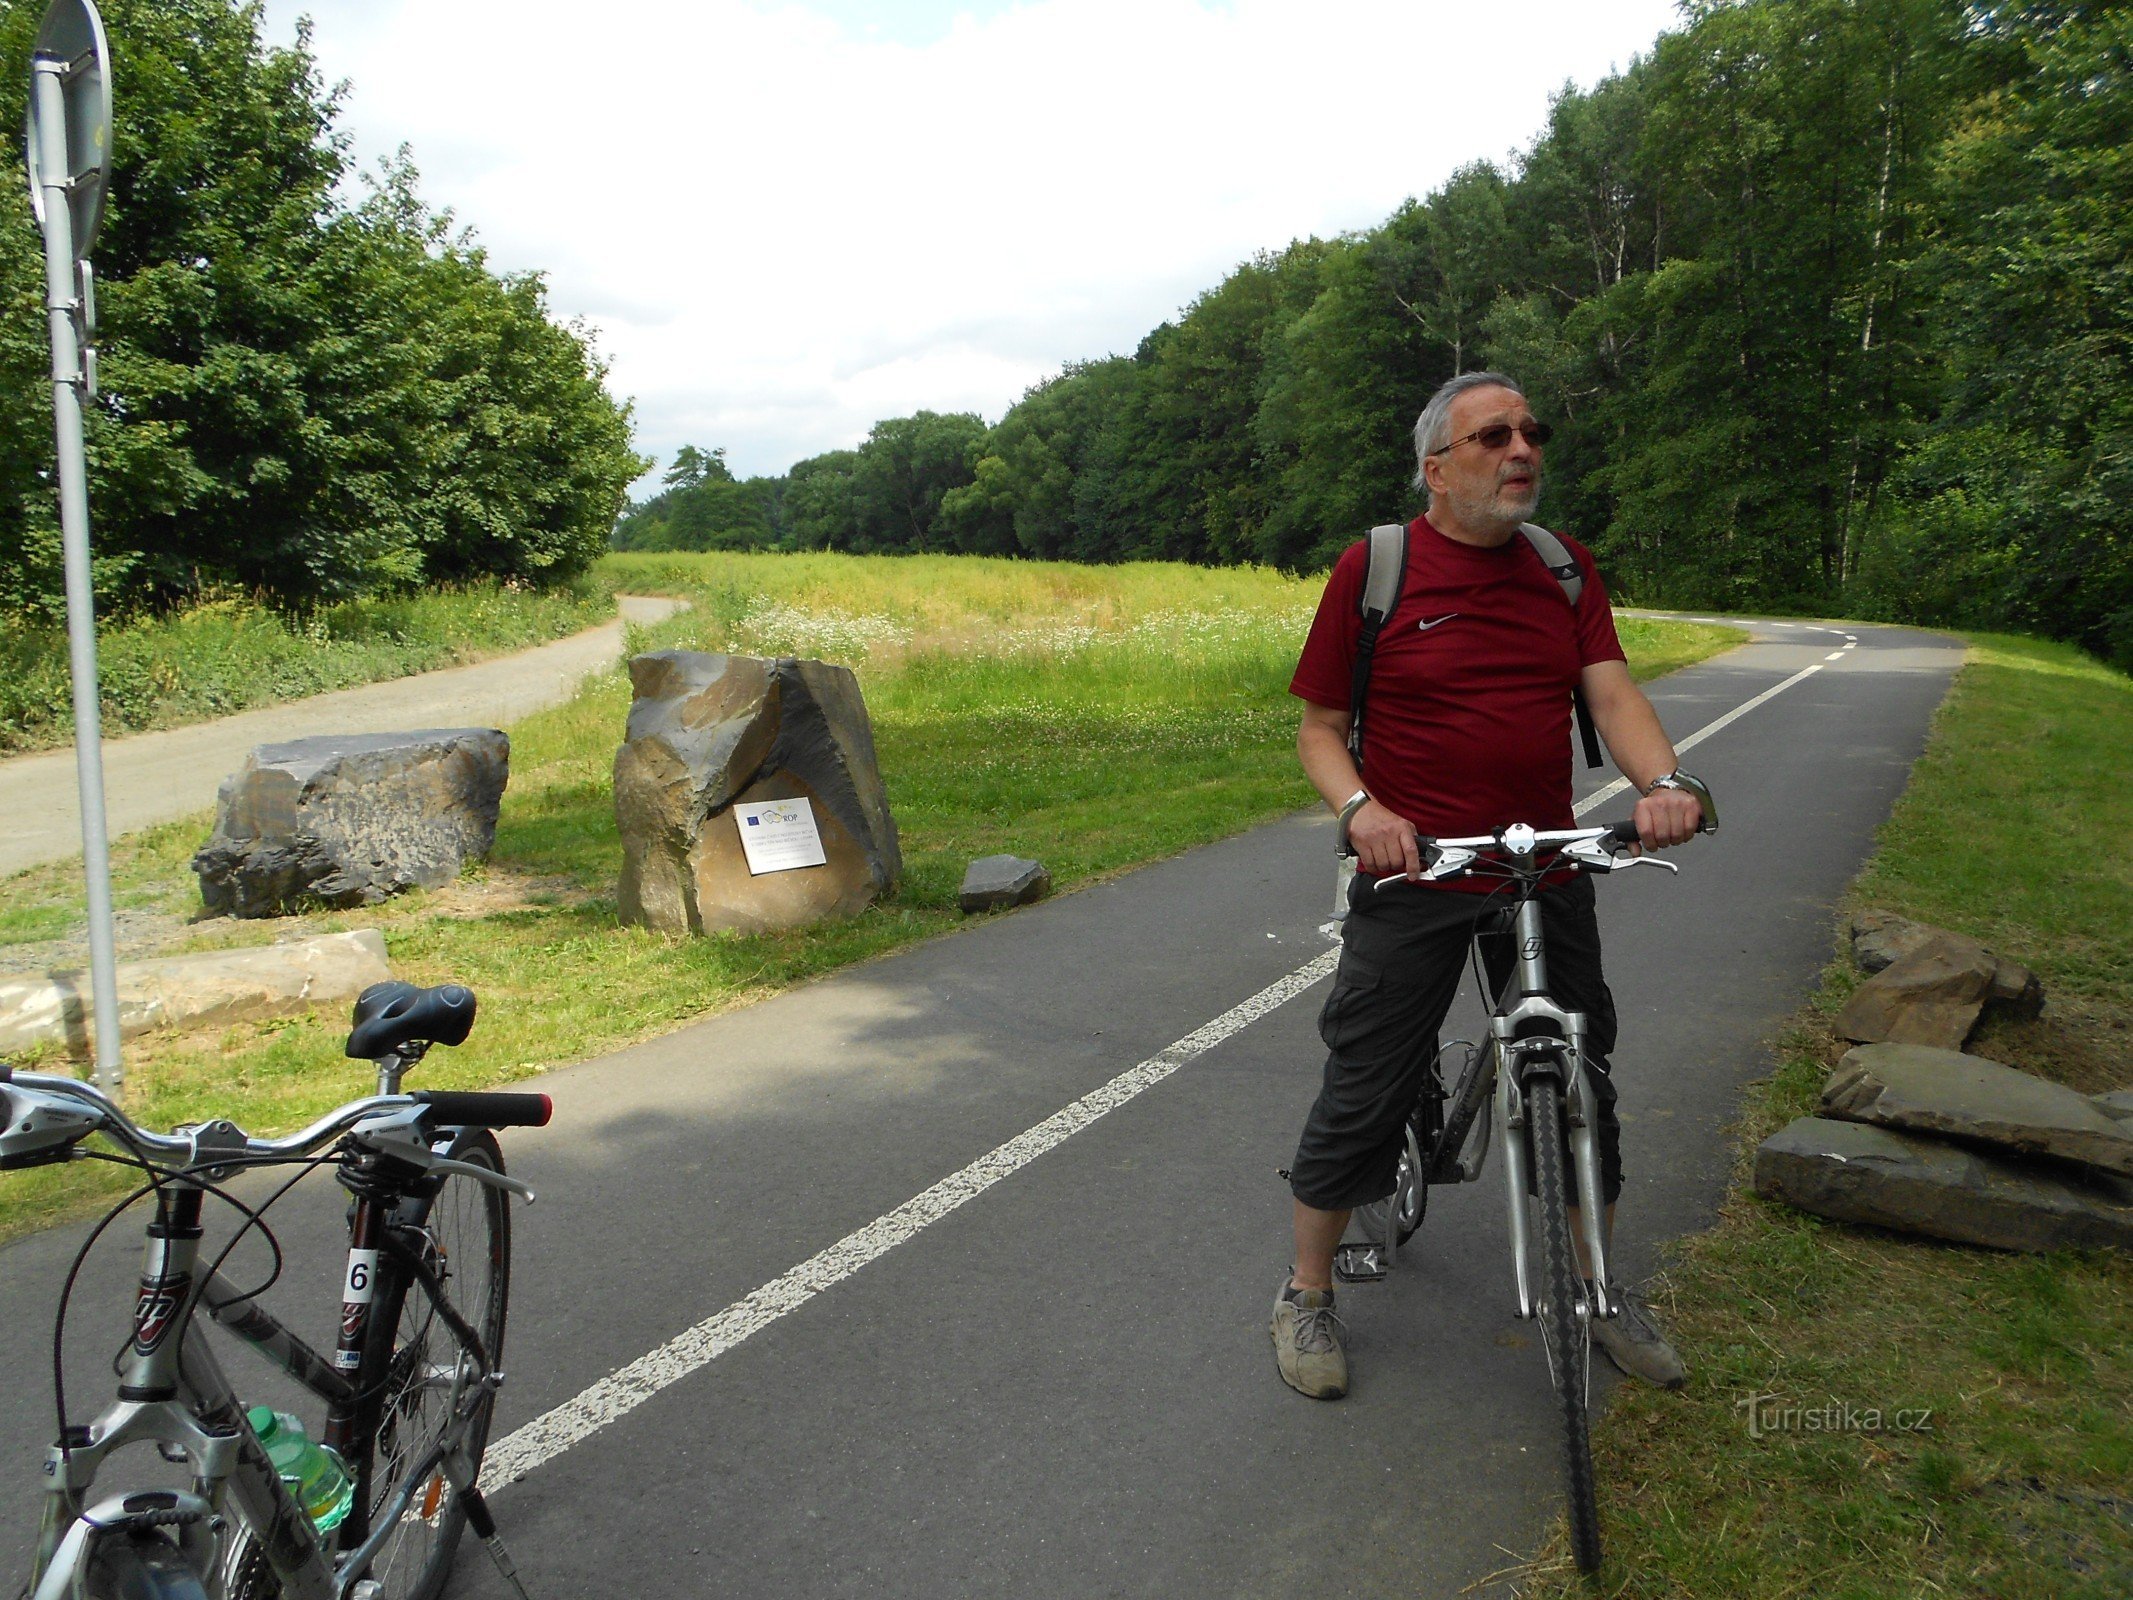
(1500, 507)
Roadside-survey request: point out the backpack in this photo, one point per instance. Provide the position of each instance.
(1381, 592)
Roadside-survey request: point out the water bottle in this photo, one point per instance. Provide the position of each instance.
(315, 1473)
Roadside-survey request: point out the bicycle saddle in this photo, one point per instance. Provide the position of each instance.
(391, 1015)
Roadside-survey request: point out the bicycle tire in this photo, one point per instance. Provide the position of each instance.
(122, 1568)
(1566, 1334)
(465, 1234)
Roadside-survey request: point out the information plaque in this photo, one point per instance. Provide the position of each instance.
(779, 835)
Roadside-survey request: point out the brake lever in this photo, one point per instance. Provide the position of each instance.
(488, 1175)
(404, 1136)
(1622, 862)
(1595, 857)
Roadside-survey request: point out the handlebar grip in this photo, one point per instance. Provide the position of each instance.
(463, 1108)
(1623, 832)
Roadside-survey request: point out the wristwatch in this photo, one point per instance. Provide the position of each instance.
(1349, 807)
(1696, 789)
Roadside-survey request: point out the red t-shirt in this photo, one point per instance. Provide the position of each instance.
(1466, 722)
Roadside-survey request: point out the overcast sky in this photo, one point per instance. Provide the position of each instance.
(789, 219)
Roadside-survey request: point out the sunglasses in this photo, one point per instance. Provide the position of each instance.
(1498, 434)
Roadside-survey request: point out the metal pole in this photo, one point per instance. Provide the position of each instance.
(61, 306)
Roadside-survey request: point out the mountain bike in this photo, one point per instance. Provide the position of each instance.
(1526, 1090)
(407, 1389)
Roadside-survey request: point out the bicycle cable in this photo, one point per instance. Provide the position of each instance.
(253, 1219)
(158, 1176)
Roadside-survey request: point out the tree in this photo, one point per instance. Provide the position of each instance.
(300, 397)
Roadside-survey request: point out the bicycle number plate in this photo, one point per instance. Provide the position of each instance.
(1359, 1263)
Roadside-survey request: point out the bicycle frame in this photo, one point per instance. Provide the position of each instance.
(172, 1391)
(173, 1394)
(1537, 1038)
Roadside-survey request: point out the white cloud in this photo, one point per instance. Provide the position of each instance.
(786, 226)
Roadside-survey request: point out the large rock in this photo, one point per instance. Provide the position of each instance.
(2117, 1105)
(709, 732)
(350, 819)
(1922, 1090)
(1881, 938)
(1930, 996)
(1857, 1173)
(994, 883)
(213, 989)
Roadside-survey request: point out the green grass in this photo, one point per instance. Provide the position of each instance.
(2011, 831)
(1091, 717)
(233, 653)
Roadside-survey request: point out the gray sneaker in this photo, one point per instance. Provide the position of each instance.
(1637, 1347)
(1307, 1342)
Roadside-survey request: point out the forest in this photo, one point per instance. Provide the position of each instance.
(303, 396)
(1828, 301)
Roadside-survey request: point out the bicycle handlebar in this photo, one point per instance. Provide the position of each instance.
(459, 1108)
(43, 1115)
(1519, 851)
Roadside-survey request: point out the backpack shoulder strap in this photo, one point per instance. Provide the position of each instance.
(1381, 593)
(1556, 557)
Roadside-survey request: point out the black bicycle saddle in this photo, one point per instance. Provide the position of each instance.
(391, 1015)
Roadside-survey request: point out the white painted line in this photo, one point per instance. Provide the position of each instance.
(622, 1391)
(1746, 706)
(1600, 797)
(547, 1437)
(1836, 655)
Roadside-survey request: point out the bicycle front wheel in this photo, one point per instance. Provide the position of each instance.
(420, 1381)
(147, 1568)
(1565, 1324)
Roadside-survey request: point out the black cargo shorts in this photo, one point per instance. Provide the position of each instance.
(1402, 952)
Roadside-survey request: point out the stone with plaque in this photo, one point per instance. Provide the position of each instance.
(748, 795)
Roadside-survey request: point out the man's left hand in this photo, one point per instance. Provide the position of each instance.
(1667, 817)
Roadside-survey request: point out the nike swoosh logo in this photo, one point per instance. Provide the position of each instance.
(1428, 623)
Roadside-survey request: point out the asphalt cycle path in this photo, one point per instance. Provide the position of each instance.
(949, 1275)
(155, 777)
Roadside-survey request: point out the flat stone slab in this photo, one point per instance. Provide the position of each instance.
(1922, 1090)
(1854, 1172)
(211, 989)
(993, 883)
(2117, 1105)
(352, 819)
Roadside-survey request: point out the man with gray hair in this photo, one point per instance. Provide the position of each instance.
(1469, 729)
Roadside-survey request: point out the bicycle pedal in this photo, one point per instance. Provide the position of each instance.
(1360, 1263)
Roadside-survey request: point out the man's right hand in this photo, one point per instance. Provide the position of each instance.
(1384, 842)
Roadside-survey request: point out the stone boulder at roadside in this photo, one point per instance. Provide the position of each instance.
(708, 733)
(1881, 938)
(1854, 1172)
(1921, 1090)
(211, 989)
(1932, 996)
(993, 883)
(2117, 1105)
(351, 819)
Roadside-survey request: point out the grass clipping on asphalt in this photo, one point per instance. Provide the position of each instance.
(1091, 717)
(1795, 1463)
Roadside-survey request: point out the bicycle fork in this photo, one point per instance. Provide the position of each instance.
(1536, 1033)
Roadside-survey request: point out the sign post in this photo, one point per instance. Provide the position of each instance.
(69, 159)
